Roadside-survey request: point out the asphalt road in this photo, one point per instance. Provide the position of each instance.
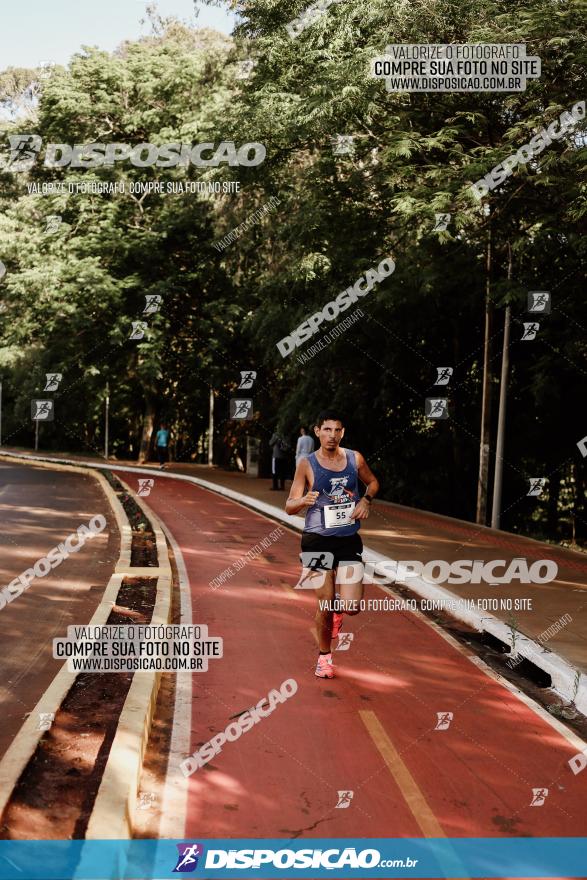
(40, 508)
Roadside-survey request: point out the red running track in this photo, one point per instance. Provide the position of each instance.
(371, 730)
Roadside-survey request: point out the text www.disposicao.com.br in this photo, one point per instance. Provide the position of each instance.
(135, 664)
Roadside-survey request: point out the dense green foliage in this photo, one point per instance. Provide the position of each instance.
(69, 298)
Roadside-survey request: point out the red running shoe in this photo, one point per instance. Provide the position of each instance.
(324, 667)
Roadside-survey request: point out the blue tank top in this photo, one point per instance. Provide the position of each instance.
(335, 487)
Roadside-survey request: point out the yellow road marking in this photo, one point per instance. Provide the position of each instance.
(413, 795)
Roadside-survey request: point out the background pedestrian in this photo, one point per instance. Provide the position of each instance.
(304, 446)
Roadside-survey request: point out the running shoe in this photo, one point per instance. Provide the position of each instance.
(324, 667)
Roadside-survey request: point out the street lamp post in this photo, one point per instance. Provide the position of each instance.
(211, 429)
(106, 419)
(503, 391)
(503, 396)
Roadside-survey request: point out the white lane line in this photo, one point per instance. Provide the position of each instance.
(175, 796)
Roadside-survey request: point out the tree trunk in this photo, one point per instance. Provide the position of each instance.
(146, 430)
(458, 503)
(578, 503)
(552, 506)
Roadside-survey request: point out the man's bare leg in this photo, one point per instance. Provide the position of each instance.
(324, 616)
(350, 587)
(348, 591)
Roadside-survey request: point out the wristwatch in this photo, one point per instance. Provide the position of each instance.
(367, 497)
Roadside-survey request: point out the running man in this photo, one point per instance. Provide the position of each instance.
(326, 488)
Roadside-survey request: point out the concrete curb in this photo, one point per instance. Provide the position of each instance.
(174, 805)
(28, 737)
(113, 813)
(113, 809)
(568, 682)
(564, 676)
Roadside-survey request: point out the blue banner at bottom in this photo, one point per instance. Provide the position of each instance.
(277, 858)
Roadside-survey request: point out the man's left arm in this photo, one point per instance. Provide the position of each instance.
(367, 477)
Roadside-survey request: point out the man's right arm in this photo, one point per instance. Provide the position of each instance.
(297, 500)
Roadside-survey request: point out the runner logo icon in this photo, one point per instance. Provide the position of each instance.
(315, 561)
(241, 409)
(444, 374)
(152, 303)
(436, 408)
(539, 301)
(531, 328)
(344, 800)
(42, 410)
(537, 484)
(187, 860)
(145, 487)
(344, 641)
(138, 330)
(247, 379)
(52, 381)
(46, 719)
(444, 719)
(441, 222)
(24, 149)
(52, 223)
(539, 796)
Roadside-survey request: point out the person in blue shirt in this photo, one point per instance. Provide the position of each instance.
(162, 444)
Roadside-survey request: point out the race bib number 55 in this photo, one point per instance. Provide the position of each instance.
(338, 515)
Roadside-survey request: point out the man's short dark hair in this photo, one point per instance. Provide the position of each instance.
(328, 415)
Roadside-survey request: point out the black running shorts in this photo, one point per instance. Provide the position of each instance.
(344, 549)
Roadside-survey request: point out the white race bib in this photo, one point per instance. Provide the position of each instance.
(338, 515)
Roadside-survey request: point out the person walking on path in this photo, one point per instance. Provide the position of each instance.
(278, 461)
(162, 443)
(304, 446)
